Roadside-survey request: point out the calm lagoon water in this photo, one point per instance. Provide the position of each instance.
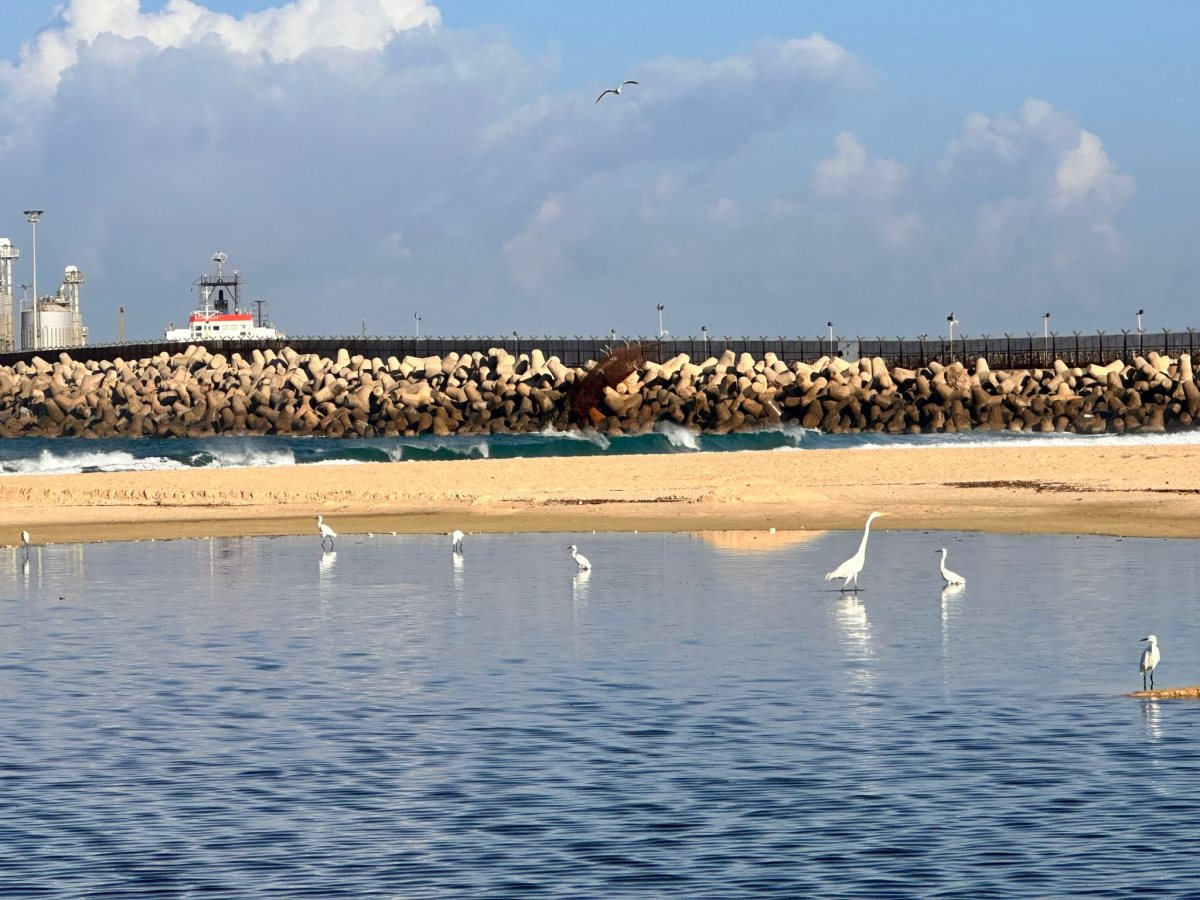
(699, 717)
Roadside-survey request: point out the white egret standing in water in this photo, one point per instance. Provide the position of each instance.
(580, 559)
(947, 575)
(851, 567)
(327, 533)
(25, 538)
(1149, 660)
(456, 538)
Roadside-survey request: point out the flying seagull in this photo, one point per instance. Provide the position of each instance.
(615, 90)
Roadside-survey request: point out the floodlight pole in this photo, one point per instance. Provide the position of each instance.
(34, 216)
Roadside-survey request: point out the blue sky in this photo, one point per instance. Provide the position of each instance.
(782, 162)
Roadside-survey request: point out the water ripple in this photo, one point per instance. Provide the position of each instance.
(722, 730)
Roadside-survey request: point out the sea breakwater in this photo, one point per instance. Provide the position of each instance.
(196, 393)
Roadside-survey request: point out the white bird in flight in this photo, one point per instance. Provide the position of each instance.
(327, 533)
(580, 559)
(616, 90)
(1149, 660)
(947, 575)
(456, 538)
(851, 567)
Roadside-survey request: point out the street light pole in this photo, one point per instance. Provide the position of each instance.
(1046, 328)
(830, 324)
(1140, 313)
(660, 328)
(704, 331)
(34, 215)
(417, 319)
(951, 322)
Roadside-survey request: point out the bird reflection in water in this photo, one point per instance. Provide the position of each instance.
(851, 618)
(326, 563)
(1152, 717)
(579, 588)
(458, 582)
(950, 609)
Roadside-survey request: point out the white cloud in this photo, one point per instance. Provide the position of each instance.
(357, 164)
(851, 172)
(724, 212)
(854, 184)
(1086, 174)
(535, 255)
(279, 34)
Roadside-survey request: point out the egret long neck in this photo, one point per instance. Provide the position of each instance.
(862, 548)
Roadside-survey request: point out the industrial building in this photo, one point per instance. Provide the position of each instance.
(51, 322)
(7, 254)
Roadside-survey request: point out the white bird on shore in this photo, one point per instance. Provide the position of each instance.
(327, 533)
(1149, 660)
(616, 90)
(580, 559)
(851, 567)
(25, 538)
(456, 538)
(947, 575)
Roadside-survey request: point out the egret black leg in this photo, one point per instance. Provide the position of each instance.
(1151, 679)
(1143, 681)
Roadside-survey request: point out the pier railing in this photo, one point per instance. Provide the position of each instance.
(1004, 352)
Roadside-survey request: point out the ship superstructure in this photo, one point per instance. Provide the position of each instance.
(221, 314)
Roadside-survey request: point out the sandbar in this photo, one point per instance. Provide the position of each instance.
(1135, 490)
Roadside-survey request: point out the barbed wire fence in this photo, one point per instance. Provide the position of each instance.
(1008, 351)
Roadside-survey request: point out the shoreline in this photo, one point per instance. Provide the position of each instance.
(1135, 491)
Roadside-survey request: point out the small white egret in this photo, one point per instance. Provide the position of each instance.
(1149, 660)
(25, 538)
(614, 91)
(580, 559)
(327, 533)
(851, 567)
(456, 538)
(948, 576)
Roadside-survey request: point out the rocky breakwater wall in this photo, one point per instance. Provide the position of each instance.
(1155, 393)
(195, 393)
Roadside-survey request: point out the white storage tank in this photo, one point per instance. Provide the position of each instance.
(59, 315)
(57, 326)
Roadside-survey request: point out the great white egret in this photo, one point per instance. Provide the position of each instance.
(947, 575)
(1149, 660)
(25, 538)
(616, 90)
(580, 559)
(456, 538)
(327, 533)
(851, 567)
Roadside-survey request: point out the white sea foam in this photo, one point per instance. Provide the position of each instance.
(587, 435)
(979, 440)
(48, 463)
(466, 449)
(246, 456)
(678, 436)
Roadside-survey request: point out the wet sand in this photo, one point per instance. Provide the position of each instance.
(1141, 490)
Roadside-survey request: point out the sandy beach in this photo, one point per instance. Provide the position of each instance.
(1135, 490)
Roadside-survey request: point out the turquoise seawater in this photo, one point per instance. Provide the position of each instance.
(54, 455)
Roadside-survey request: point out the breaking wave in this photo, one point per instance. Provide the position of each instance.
(53, 456)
